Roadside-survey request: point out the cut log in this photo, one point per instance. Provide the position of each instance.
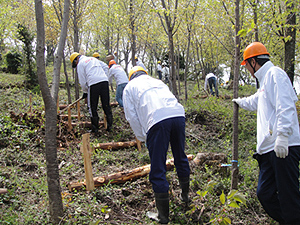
(203, 158)
(3, 191)
(121, 177)
(115, 145)
(83, 124)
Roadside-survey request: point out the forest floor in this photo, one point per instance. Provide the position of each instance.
(23, 168)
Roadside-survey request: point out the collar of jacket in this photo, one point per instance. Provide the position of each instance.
(137, 74)
(261, 72)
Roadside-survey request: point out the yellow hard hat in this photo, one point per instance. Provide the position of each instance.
(96, 54)
(159, 62)
(135, 57)
(73, 56)
(136, 69)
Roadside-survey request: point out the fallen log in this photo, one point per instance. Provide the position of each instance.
(3, 191)
(63, 106)
(83, 124)
(121, 177)
(115, 145)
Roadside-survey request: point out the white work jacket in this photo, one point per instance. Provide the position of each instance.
(159, 68)
(275, 105)
(206, 79)
(117, 72)
(148, 101)
(140, 63)
(89, 72)
(104, 67)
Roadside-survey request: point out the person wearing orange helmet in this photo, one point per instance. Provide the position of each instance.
(94, 83)
(116, 71)
(156, 117)
(278, 139)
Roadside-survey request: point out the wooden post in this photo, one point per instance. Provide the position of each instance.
(105, 121)
(69, 120)
(30, 102)
(87, 152)
(57, 104)
(78, 110)
(138, 144)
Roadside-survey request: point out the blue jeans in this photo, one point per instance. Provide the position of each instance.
(278, 185)
(159, 136)
(119, 94)
(212, 81)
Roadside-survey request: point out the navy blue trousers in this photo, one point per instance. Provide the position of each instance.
(212, 81)
(278, 185)
(159, 136)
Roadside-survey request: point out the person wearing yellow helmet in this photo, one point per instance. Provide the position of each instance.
(103, 64)
(94, 84)
(139, 63)
(159, 70)
(116, 71)
(156, 117)
(278, 138)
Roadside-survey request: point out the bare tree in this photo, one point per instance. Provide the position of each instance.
(235, 170)
(49, 98)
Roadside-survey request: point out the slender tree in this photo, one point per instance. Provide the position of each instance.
(49, 98)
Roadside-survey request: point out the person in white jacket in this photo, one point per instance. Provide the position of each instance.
(116, 71)
(158, 118)
(139, 63)
(211, 80)
(94, 83)
(278, 139)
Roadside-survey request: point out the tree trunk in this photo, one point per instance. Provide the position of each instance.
(133, 38)
(54, 189)
(76, 44)
(235, 170)
(290, 44)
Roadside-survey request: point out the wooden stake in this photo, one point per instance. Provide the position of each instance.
(138, 144)
(3, 191)
(57, 104)
(30, 103)
(69, 120)
(87, 151)
(105, 122)
(78, 110)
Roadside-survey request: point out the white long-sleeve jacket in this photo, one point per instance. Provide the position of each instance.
(206, 79)
(140, 63)
(117, 72)
(148, 101)
(104, 67)
(89, 72)
(275, 105)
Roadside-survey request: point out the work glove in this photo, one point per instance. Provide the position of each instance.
(84, 95)
(281, 146)
(237, 100)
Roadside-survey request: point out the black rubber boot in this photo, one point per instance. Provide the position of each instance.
(95, 124)
(185, 186)
(162, 205)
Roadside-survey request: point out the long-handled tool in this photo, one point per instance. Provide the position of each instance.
(70, 105)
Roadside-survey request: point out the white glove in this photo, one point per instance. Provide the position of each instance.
(237, 100)
(281, 146)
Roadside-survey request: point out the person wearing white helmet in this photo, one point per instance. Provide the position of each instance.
(116, 71)
(156, 117)
(278, 139)
(94, 83)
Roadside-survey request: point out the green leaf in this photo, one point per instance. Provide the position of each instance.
(228, 220)
(222, 198)
(240, 198)
(231, 193)
(234, 205)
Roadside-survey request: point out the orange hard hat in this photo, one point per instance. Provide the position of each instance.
(254, 49)
(111, 62)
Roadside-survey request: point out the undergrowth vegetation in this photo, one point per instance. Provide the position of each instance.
(208, 130)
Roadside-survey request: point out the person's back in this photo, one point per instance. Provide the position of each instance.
(118, 73)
